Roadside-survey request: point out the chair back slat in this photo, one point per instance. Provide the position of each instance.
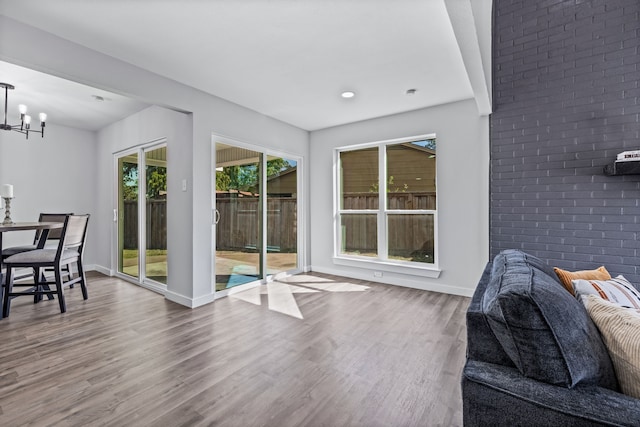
(55, 233)
(75, 230)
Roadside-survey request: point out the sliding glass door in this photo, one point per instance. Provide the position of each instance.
(128, 215)
(238, 211)
(282, 215)
(256, 215)
(142, 199)
(156, 214)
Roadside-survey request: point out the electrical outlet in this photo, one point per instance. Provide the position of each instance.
(377, 274)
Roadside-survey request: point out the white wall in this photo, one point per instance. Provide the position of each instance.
(462, 164)
(463, 192)
(51, 174)
(149, 125)
(210, 115)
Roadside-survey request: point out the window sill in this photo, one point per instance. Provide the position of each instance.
(430, 271)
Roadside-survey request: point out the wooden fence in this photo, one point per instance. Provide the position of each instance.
(410, 236)
(156, 224)
(410, 201)
(238, 228)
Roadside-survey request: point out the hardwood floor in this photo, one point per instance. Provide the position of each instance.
(363, 354)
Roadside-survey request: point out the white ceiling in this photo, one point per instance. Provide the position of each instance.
(284, 58)
(66, 103)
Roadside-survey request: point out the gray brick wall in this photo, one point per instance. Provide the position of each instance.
(566, 93)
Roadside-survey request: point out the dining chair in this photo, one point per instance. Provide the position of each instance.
(51, 242)
(52, 237)
(69, 251)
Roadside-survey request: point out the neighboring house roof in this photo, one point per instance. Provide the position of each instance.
(283, 173)
(239, 193)
(418, 148)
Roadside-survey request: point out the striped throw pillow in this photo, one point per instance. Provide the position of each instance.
(618, 291)
(620, 331)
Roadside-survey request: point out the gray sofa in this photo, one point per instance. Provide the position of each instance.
(534, 357)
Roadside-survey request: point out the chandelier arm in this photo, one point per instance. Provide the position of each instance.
(26, 131)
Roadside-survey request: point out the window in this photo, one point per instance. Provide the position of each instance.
(387, 202)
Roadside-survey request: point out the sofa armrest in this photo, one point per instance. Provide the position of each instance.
(500, 396)
(481, 342)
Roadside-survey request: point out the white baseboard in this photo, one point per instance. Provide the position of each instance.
(203, 300)
(188, 302)
(407, 283)
(100, 269)
(171, 296)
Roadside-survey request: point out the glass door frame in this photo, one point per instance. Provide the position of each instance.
(266, 153)
(141, 280)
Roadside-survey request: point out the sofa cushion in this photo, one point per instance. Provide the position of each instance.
(546, 332)
(566, 277)
(620, 329)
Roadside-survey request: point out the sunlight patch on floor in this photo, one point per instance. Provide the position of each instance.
(305, 278)
(280, 294)
(251, 296)
(336, 287)
(281, 299)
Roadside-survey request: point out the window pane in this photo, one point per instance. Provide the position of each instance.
(239, 227)
(156, 259)
(411, 237)
(359, 234)
(359, 179)
(128, 212)
(282, 220)
(411, 175)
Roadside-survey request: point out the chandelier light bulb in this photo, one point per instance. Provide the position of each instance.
(24, 127)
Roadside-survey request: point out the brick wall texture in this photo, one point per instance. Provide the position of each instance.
(566, 101)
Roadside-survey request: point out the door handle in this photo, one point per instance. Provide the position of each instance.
(115, 215)
(216, 216)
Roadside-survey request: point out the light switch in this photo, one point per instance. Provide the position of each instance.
(184, 185)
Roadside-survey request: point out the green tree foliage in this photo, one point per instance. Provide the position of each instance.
(223, 181)
(430, 144)
(242, 178)
(275, 166)
(156, 181)
(129, 181)
(245, 177)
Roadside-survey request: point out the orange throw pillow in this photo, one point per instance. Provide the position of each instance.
(567, 276)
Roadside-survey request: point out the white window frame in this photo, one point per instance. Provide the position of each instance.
(382, 261)
(142, 279)
(301, 236)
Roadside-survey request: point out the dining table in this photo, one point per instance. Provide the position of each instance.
(44, 227)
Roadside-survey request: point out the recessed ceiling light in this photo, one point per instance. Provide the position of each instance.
(348, 94)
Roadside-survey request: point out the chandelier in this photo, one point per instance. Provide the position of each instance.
(25, 120)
